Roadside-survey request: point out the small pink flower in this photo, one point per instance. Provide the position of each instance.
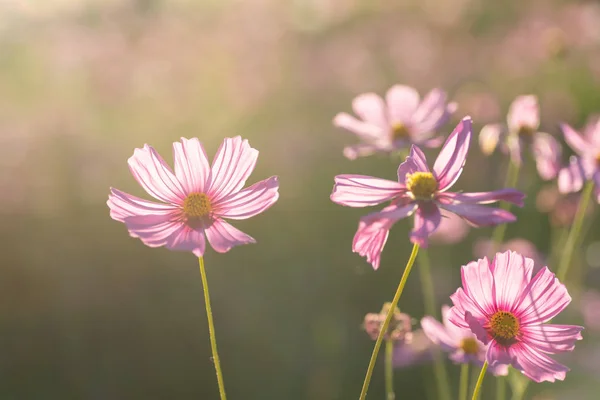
(397, 122)
(421, 192)
(523, 121)
(195, 198)
(461, 343)
(587, 165)
(505, 307)
(417, 350)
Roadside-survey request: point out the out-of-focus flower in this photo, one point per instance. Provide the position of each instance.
(416, 351)
(507, 308)
(461, 343)
(397, 122)
(453, 229)
(422, 192)
(523, 121)
(399, 330)
(561, 207)
(485, 248)
(195, 197)
(590, 308)
(586, 165)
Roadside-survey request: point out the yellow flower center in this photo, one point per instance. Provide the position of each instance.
(421, 184)
(504, 326)
(196, 205)
(470, 346)
(399, 131)
(526, 131)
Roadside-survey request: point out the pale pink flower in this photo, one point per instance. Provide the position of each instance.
(422, 192)
(461, 343)
(523, 121)
(397, 122)
(561, 207)
(195, 197)
(418, 350)
(453, 229)
(507, 308)
(586, 166)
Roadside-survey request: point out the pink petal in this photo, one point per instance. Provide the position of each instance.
(437, 333)
(155, 176)
(373, 230)
(453, 330)
(432, 113)
(187, 239)
(571, 177)
(574, 140)
(548, 155)
(464, 303)
(433, 142)
(363, 191)
(543, 299)
(123, 205)
(512, 273)
(402, 101)
(249, 202)
(427, 220)
(191, 165)
(415, 162)
(360, 150)
(489, 138)
(418, 158)
(364, 130)
(551, 338)
(232, 165)
(476, 326)
(497, 354)
(155, 230)
(478, 215)
(509, 195)
(452, 157)
(536, 365)
(477, 282)
(370, 108)
(524, 112)
(222, 236)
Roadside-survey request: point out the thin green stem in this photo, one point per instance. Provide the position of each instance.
(211, 331)
(565, 260)
(500, 388)
(479, 381)
(389, 370)
(388, 318)
(464, 382)
(439, 369)
(512, 176)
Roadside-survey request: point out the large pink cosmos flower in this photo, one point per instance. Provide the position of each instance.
(505, 307)
(587, 165)
(422, 192)
(399, 121)
(196, 197)
(461, 343)
(523, 121)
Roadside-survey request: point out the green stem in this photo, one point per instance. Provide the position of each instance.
(500, 388)
(211, 330)
(565, 260)
(464, 382)
(389, 371)
(512, 176)
(441, 375)
(479, 381)
(388, 318)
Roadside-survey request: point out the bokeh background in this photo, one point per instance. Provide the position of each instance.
(86, 312)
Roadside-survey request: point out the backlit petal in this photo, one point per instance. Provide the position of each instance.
(222, 236)
(449, 163)
(249, 202)
(191, 165)
(363, 191)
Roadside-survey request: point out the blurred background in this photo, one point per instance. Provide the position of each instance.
(86, 312)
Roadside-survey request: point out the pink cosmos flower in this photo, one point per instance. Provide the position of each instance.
(195, 198)
(587, 165)
(398, 121)
(507, 308)
(421, 192)
(523, 121)
(461, 343)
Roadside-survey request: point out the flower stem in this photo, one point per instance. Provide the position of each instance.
(565, 260)
(479, 381)
(464, 382)
(389, 371)
(512, 176)
(388, 318)
(439, 370)
(500, 388)
(211, 330)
